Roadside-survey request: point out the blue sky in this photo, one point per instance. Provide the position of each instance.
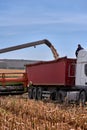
(62, 22)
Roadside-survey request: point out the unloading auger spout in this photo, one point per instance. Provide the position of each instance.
(26, 45)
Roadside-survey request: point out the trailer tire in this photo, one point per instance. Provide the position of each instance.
(30, 90)
(60, 96)
(82, 98)
(34, 93)
(39, 94)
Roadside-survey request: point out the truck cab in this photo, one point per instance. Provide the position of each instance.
(81, 69)
(80, 92)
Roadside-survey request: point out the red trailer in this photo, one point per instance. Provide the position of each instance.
(50, 77)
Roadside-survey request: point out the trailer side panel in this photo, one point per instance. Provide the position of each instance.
(58, 72)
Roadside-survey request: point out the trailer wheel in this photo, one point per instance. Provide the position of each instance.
(39, 94)
(60, 96)
(30, 90)
(34, 93)
(82, 97)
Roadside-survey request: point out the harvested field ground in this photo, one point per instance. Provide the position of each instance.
(11, 71)
(20, 113)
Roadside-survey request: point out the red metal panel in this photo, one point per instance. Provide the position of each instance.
(13, 78)
(70, 71)
(50, 73)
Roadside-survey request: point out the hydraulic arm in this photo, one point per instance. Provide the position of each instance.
(45, 41)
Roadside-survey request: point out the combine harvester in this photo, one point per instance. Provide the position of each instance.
(16, 83)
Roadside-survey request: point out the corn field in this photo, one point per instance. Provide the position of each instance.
(19, 113)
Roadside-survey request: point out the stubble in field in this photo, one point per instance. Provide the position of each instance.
(19, 113)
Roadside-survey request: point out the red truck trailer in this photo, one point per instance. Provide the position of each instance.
(61, 79)
(51, 78)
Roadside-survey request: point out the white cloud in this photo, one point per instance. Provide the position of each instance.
(61, 18)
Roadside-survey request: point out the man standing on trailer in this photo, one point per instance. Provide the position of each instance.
(78, 49)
